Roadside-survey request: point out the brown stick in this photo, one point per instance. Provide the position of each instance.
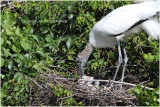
(117, 82)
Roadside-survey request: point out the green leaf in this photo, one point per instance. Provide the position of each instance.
(20, 77)
(10, 65)
(151, 57)
(2, 76)
(137, 90)
(2, 41)
(70, 57)
(15, 49)
(145, 56)
(49, 39)
(40, 53)
(7, 24)
(46, 4)
(61, 39)
(44, 30)
(2, 62)
(69, 43)
(51, 33)
(18, 31)
(25, 45)
(111, 7)
(6, 52)
(43, 14)
(95, 5)
(24, 20)
(16, 88)
(34, 22)
(16, 75)
(69, 8)
(37, 38)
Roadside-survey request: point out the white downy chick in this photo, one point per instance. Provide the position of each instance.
(90, 81)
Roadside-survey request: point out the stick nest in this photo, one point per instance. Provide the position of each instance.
(90, 96)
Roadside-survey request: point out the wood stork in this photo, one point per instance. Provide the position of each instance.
(118, 26)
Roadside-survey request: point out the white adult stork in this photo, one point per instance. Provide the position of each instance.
(118, 26)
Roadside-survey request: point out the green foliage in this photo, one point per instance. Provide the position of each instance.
(147, 97)
(64, 96)
(54, 33)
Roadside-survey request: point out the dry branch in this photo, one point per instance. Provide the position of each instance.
(117, 82)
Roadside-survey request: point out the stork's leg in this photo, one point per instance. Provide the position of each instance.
(119, 60)
(125, 61)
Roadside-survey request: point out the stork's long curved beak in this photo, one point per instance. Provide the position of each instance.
(82, 59)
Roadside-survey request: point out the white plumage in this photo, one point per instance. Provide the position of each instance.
(121, 19)
(118, 26)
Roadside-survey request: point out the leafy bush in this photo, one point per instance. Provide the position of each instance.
(54, 33)
(147, 97)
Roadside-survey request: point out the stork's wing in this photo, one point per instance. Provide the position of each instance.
(123, 18)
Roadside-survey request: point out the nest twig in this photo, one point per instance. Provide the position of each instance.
(90, 96)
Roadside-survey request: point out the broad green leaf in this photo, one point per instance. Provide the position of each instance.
(145, 56)
(46, 45)
(2, 41)
(70, 57)
(111, 7)
(40, 53)
(69, 43)
(10, 65)
(2, 76)
(61, 39)
(9, 32)
(7, 23)
(6, 52)
(151, 57)
(95, 5)
(15, 49)
(20, 77)
(18, 31)
(16, 88)
(49, 39)
(37, 38)
(51, 33)
(137, 90)
(16, 75)
(69, 8)
(44, 30)
(34, 22)
(43, 14)
(2, 62)
(25, 20)
(25, 45)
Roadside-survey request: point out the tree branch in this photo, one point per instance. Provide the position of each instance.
(117, 82)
